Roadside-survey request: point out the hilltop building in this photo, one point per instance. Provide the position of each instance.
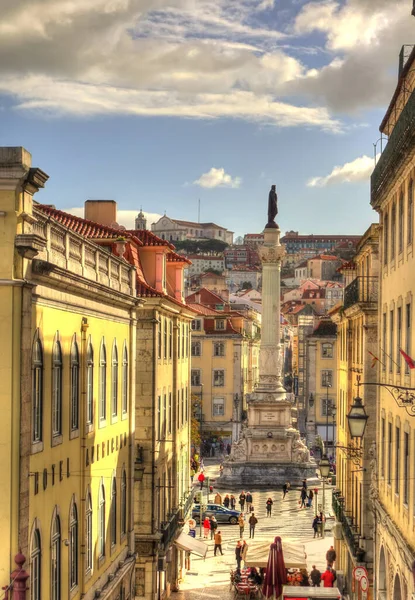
(175, 230)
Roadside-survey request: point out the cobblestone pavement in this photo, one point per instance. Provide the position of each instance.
(209, 578)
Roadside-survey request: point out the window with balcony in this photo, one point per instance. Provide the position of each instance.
(397, 458)
(73, 546)
(218, 377)
(57, 389)
(389, 453)
(385, 239)
(124, 383)
(89, 384)
(326, 378)
(393, 231)
(114, 380)
(401, 224)
(74, 386)
(406, 468)
(103, 382)
(165, 334)
(408, 334)
(398, 339)
(391, 339)
(218, 407)
(195, 376)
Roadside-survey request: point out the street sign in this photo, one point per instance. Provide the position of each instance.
(364, 586)
(359, 572)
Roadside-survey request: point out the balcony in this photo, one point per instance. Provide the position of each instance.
(350, 532)
(170, 528)
(362, 290)
(401, 140)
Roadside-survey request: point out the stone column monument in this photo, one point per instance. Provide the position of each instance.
(269, 450)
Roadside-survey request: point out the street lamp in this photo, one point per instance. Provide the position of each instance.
(357, 419)
(324, 466)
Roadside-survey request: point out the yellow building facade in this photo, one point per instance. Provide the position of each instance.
(321, 370)
(68, 327)
(357, 348)
(224, 368)
(392, 196)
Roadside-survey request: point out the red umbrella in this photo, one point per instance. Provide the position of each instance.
(276, 574)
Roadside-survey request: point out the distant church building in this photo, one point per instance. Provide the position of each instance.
(140, 221)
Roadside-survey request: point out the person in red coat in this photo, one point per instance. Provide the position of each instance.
(328, 578)
(201, 479)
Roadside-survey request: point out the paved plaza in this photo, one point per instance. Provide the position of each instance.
(209, 578)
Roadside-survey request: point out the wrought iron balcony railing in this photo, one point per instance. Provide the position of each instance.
(176, 521)
(350, 531)
(401, 140)
(361, 290)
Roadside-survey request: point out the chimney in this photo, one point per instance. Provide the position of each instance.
(197, 298)
(103, 212)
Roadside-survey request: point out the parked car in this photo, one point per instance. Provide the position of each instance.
(222, 514)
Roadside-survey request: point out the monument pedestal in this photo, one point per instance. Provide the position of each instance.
(269, 451)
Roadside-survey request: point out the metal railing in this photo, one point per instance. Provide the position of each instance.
(361, 290)
(350, 531)
(170, 528)
(401, 140)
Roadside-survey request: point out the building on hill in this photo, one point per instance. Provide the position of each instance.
(99, 385)
(200, 263)
(392, 196)
(176, 230)
(323, 267)
(239, 275)
(241, 255)
(309, 245)
(225, 351)
(253, 239)
(140, 221)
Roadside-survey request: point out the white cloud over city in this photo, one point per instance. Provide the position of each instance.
(217, 178)
(126, 218)
(354, 171)
(203, 59)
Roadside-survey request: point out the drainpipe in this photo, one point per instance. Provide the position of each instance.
(82, 426)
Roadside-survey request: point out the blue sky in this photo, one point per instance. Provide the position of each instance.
(157, 103)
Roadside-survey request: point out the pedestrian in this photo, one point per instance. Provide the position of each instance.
(248, 501)
(218, 543)
(201, 479)
(328, 578)
(303, 497)
(241, 523)
(206, 528)
(331, 556)
(285, 489)
(213, 526)
(252, 522)
(310, 498)
(315, 525)
(218, 499)
(226, 501)
(228, 449)
(315, 577)
(305, 483)
(242, 498)
(192, 474)
(304, 582)
(321, 521)
(233, 502)
(238, 554)
(269, 504)
(244, 550)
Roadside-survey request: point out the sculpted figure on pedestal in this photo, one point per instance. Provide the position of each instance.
(239, 450)
(272, 207)
(300, 452)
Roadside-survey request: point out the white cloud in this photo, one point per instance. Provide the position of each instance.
(359, 169)
(124, 217)
(217, 178)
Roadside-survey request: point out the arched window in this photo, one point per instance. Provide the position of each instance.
(170, 339)
(55, 559)
(37, 389)
(103, 382)
(114, 380)
(88, 533)
(400, 224)
(57, 389)
(101, 521)
(124, 503)
(114, 511)
(393, 231)
(385, 239)
(73, 546)
(124, 383)
(90, 384)
(35, 566)
(74, 386)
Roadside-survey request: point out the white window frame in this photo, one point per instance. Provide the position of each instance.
(218, 402)
(216, 378)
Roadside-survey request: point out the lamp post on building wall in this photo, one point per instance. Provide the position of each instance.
(237, 420)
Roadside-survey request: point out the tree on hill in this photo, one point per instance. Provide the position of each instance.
(201, 246)
(213, 271)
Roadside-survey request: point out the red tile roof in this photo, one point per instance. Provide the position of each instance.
(202, 309)
(179, 258)
(89, 229)
(206, 297)
(150, 239)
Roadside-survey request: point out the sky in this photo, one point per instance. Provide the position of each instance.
(158, 104)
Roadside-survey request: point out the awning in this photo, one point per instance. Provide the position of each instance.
(186, 542)
(294, 555)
